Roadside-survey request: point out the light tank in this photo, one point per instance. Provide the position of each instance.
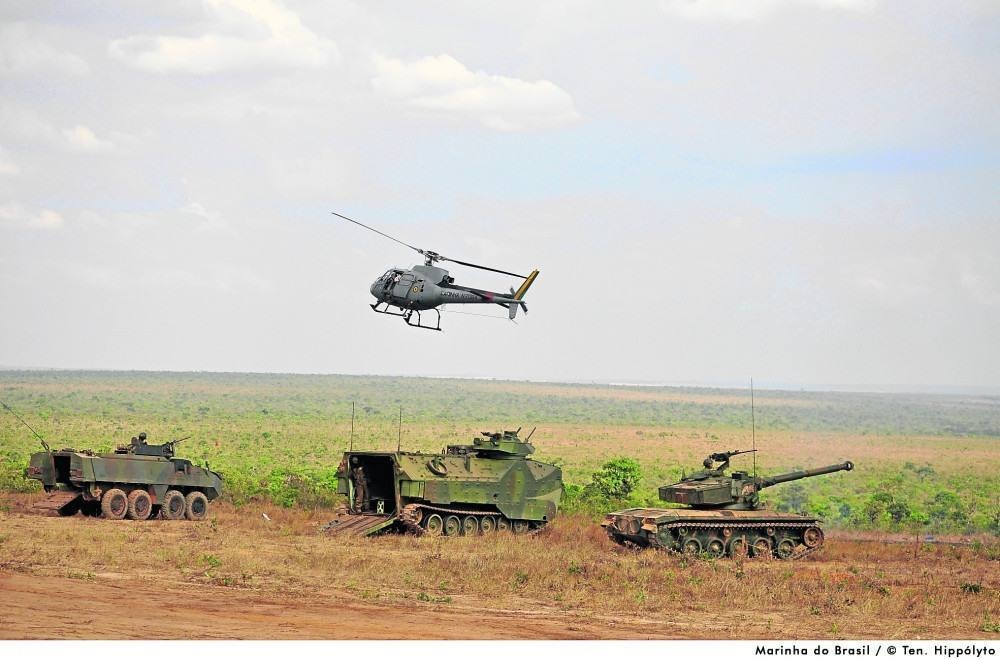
(723, 515)
(138, 481)
(488, 486)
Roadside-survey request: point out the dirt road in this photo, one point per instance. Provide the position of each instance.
(114, 606)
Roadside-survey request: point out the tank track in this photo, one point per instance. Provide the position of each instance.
(409, 519)
(801, 551)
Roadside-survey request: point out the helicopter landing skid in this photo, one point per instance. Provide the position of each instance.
(407, 315)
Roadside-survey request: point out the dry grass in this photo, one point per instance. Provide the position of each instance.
(851, 589)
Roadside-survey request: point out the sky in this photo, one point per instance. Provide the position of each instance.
(801, 191)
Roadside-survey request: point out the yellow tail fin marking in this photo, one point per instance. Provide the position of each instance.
(526, 285)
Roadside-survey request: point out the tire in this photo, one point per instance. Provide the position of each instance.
(140, 505)
(520, 526)
(434, 525)
(196, 506)
(503, 524)
(114, 504)
(173, 505)
(452, 525)
(470, 525)
(488, 524)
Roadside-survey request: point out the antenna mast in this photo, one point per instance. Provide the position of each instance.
(17, 416)
(352, 427)
(753, 430)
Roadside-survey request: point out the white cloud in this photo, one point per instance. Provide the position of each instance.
(23, 50)
(248, 35)
(81, 138)
(17, 215)
(750, 10)
(23, 126)
(444, 84)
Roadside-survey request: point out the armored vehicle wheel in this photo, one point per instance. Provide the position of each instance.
(470, 525)
(738, 548)
(488, 524)
(452, 525)
(173, 505)
(761, 548)
(434, 525)
(715, 548)
(114, 504)
(195, 506)
(520, 526)
(785, 548)
(812, 537)
(691, 546)
(91, 508)
(139, 505)
(503, 524)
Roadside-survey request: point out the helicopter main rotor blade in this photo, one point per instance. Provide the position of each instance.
(483, 267)
(378, 232)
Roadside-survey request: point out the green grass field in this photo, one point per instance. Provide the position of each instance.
(929, 462)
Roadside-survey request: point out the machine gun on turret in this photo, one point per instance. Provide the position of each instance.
(138, 446)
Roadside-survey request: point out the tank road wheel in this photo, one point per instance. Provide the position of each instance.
(434, 525)
(520, 526)
(139, 505)
(812, 537)
(738, 548)
(196, 506)
(488, 524)
(785, 548)
(761, 548)
(715, 548)
(452, 525)
(503, 524)
(691, 546)
(114, 504)
(470, 525)
(173, 505)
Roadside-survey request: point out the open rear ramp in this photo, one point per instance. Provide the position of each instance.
(359, 525)
(58, 501)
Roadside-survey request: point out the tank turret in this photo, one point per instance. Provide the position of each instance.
(722, 515)
(711, 488)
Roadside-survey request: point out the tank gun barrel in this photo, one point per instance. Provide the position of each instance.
(768, 481)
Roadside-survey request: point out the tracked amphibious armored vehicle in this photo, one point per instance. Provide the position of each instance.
(488, 486)
(723, 516)
(137, 481)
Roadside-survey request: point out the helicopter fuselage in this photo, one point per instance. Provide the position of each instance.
(426, 287)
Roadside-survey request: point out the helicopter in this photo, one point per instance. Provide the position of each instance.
(426, 287)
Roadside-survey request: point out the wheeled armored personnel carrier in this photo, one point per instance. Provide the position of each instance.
(138, 481)
(723, 516)
(487, 486)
